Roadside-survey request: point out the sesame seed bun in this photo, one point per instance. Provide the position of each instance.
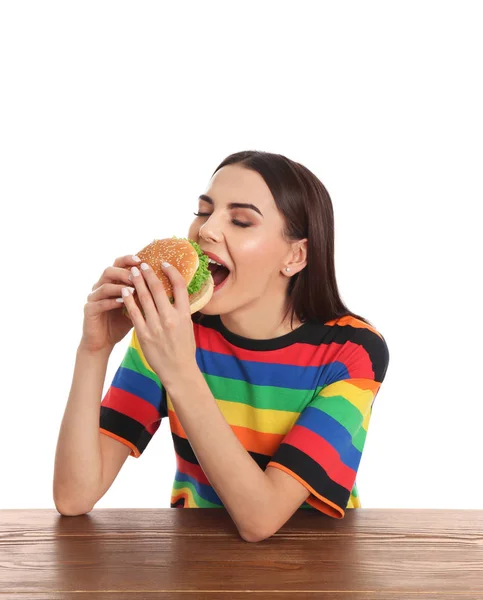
(181, 254)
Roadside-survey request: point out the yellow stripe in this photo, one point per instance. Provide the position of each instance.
(358, 397)
(354, 502)
(264, 420)
(135, 344)
(189, 502)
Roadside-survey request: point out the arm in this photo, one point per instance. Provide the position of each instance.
(79, 480)
(259, 502)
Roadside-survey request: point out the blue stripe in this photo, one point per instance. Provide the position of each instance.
(134, 383)
(332, 432)
(265, 373)
(205, 491)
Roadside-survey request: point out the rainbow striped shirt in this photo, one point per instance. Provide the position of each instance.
(301, 403)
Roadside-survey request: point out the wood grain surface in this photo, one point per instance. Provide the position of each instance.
(385, 554)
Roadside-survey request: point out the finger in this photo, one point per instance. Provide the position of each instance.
(145, 297)
(107, 290)
(133, 311)
(156, 288)
(120, 270)
(180, 289)
(127, 261)
(100, 306)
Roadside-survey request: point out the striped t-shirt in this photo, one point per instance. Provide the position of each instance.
(301, 403)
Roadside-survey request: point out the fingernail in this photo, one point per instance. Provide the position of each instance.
(165, 265)
(125, 291)
(144, 266)
(136, 258)
(135, 271)
(119, 299)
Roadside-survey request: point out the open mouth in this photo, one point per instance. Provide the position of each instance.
(218, 272)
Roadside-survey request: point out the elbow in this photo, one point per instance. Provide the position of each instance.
(257, 530)
(254, 536)
(68, 508)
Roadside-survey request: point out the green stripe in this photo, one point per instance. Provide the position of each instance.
(341, 410)
(359, 439)
(345, 413)
(133, 361)
(201, 502)
(269, 397)
(355, 491)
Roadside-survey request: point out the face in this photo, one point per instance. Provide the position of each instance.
(249, 242)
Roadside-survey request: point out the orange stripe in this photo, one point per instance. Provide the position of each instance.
(253, 441)
(134, 451)
(353, 322)
(184, 495)
(319, 502)
(257, 441)
(175, 424)
(363, 383)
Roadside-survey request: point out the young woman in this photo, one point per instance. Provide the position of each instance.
(268, 390)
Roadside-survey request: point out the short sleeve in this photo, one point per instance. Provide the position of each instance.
(324, 447)
(133, 406)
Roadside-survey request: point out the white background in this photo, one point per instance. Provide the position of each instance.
(114, 115)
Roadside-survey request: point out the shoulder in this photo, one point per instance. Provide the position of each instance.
(356, 345)
(359, 332)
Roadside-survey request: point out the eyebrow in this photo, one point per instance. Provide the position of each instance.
(232, 204)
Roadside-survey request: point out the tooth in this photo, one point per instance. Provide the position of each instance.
(214, 262)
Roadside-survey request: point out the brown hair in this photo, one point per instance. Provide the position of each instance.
(307, 210)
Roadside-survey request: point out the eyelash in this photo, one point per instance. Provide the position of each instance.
(234, 221)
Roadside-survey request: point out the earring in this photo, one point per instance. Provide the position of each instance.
(287, 269)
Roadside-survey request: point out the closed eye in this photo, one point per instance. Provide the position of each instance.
(234, 221)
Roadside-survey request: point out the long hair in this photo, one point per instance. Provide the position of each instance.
(307, 211)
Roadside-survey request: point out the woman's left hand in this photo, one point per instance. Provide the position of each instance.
(166, 332)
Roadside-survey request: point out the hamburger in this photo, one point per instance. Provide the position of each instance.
(187, 256)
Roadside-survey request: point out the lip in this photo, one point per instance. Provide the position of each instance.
(216, 258)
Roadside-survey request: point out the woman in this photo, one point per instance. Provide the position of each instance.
(268, 390)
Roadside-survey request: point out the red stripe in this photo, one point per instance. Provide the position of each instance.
(134, 407)
(298, 354)
(323, 453)
(192, 470)
(178, 496)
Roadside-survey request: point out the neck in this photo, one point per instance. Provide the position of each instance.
(262, 322)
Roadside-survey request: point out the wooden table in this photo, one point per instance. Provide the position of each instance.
(121, 554)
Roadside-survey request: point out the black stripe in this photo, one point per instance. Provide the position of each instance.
(184, 450)
(312, 473)
(125, 427)
(163, 407)
(310, 333)
(178, 504)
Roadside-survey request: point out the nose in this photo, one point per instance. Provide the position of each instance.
(209, 232)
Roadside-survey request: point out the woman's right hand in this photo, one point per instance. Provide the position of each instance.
(104, 321)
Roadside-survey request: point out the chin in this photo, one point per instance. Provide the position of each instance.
(208, 310)
(216, 307)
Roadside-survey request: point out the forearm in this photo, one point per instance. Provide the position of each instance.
(243, 487)
(78, 464)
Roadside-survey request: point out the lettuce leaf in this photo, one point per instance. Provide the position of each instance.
(202, 273)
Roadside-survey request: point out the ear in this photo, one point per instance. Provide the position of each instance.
(296, 258)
